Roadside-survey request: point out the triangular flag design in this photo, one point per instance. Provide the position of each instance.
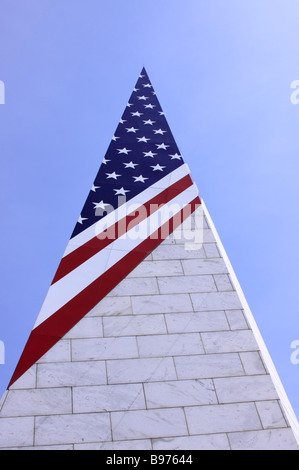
(142, 192)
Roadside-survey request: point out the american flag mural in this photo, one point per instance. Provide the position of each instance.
(142, 192)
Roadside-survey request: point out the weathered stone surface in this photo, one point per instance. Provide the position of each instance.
(166, 361)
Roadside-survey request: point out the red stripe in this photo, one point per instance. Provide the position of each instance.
(96, 244)
(44, 336)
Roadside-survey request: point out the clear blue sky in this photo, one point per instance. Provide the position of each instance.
(222, 71)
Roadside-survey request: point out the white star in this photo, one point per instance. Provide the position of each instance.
(136, 89)
(112, 175)
(137, 113)
(105, 161)
(131, 129)
(149, 154)
(175, 156)
(129, 105)
(114, 137)
(124, 150)
(139, 178)
(94, 188)
(121, 192)
(162, 146)
(100, 205)
(151, 106)
(143, 139)
(131, 165)
(149, 121)
(122, 121)
(157, 167)
(142, 97)
(159, 131)
(141, 76)
(161, 113)
(80, 220)
(147, 85)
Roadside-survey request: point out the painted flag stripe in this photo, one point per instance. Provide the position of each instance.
(70, 285)
(46, 335)
(121, 211)
(93, 246)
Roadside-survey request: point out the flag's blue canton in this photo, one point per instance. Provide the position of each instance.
(141, 152)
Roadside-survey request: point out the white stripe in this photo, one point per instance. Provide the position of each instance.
(122, 211)
(259, 339)
(73, 283)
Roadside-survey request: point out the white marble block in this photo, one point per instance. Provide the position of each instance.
(168, 360)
